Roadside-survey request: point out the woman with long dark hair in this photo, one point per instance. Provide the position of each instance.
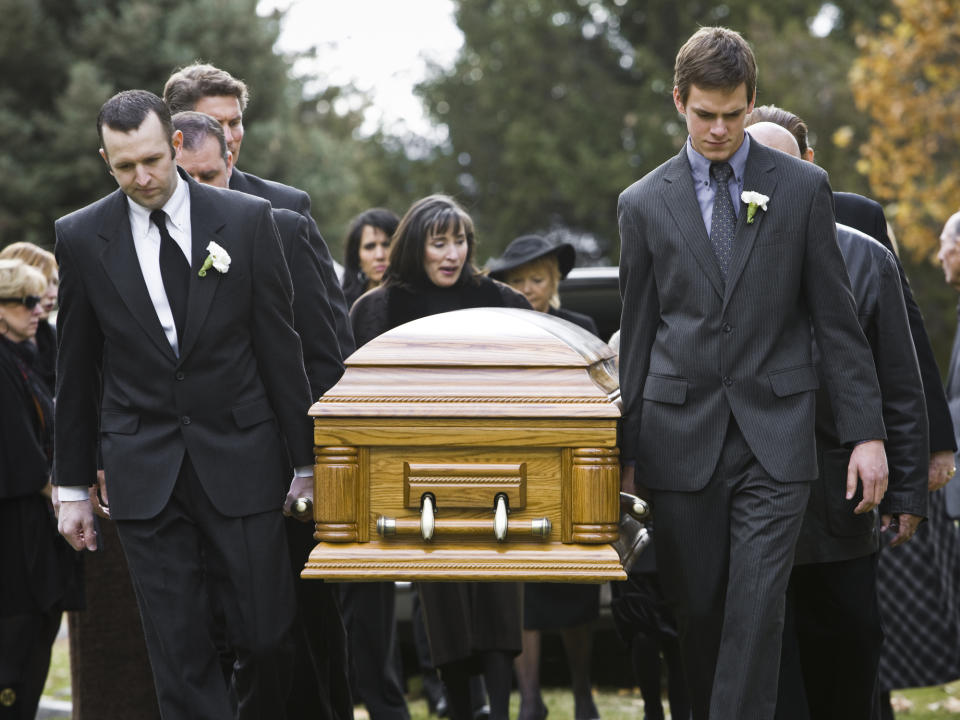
(472, 627)
(366, 251)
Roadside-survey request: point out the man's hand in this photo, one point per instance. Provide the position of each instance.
(300, 487)
(99, 500)
(868, 462)
(76, 524)
(941, 469)
(904, 524)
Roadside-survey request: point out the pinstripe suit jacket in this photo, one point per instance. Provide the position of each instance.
(696, 347)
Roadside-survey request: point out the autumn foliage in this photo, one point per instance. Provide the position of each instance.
(907, 80)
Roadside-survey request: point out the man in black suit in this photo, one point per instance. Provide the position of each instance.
(320, 686)
(215, 92)
(721, 302)
(178, 360)
(867, 216)
(832, 634)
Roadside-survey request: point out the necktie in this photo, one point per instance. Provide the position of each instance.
(175, 271)
(724, 222)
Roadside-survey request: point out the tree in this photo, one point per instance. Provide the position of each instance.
(555, 106)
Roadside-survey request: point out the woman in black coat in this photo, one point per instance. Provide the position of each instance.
(472, 627)
(534, 266)
(366, 251)
(38, 565)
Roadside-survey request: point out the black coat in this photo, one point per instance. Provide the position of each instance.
(290, 198)
(867, 216)
(831, 532)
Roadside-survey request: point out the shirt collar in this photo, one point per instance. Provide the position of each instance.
(177, 209)
(700, 166)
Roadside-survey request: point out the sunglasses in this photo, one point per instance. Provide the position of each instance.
(28, 301)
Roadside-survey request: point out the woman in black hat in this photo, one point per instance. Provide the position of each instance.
(534, 266)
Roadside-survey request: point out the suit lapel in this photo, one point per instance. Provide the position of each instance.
(759, 177)
(680, 198)
(205, 225)
(119, 260)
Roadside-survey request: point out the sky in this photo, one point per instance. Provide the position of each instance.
(381, 46)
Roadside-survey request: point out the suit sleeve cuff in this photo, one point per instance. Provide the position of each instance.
(72, 493)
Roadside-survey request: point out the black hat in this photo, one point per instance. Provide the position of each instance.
(527, 248)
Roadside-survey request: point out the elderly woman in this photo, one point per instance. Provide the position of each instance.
(46, 337)
(534, 266)
(366, 251)
(38, 566)
(472, 627)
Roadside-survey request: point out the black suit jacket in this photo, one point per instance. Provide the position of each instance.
(867, 216)
(290, 198)
(236, 398)
(831, 532)
(312, 317)
(696, 348)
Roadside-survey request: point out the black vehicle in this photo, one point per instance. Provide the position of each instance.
(594, 291)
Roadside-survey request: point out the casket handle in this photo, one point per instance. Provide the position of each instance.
(427, 517)
(500, 518)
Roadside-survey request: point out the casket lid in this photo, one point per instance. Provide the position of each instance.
(481, 362)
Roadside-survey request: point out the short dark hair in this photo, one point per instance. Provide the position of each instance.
(427, 216)
(197, 127)
(715, 58)
(189, 85)
(127, 110)
(783, 118)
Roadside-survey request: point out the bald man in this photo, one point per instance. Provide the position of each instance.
(832, 633)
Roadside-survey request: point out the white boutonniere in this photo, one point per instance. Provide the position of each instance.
(218, 259)
(754, 200)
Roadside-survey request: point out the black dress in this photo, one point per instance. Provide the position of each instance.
(40, 570)
(463, 620)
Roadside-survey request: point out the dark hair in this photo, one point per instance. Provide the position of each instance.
(427, 216)
(715, 58)
(127, 110)
(189, 85)
(783, 118)
(354, 280)
(197, 127)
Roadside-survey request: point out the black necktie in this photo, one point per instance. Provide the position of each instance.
(724, 222)
(175, 271)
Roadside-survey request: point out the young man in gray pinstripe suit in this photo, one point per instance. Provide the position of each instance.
(722, 295)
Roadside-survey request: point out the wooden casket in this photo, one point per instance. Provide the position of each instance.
(472, 445)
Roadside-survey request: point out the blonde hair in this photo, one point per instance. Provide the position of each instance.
(18, 279)
(547, 264)
(34, 255)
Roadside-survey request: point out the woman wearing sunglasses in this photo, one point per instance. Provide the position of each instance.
(37, 564)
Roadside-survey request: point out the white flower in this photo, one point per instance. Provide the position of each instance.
(218, 259)
(754, 200)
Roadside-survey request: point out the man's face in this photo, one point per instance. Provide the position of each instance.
(141, 161)
(206, 164)
(715, 119)
(225, 109)
(949, 257)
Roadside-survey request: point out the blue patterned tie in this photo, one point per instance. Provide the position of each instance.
(724, 222)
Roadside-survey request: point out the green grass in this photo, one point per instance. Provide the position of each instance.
(935, 703)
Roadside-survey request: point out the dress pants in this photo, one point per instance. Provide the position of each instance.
(724, 554)
(832, 640)
(177, 560)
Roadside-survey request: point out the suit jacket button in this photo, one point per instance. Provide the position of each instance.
(726, 327)
(727, 380)
(185, 419)
(179, 375)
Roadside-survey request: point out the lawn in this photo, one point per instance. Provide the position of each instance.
(937, 703)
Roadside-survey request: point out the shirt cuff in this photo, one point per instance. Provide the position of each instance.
(72, 493)
(303, 471)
